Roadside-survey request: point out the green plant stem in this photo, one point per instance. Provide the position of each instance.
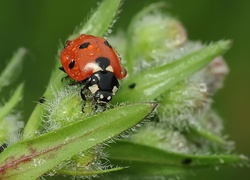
(15, 98)
(34, 121)
(13, 68)
(96, 25)
(101, 20)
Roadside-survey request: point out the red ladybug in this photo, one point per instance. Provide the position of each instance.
(92, 61)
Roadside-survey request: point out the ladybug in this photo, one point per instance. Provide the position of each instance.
(93, 62)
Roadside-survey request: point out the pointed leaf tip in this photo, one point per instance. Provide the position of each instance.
(151, 83)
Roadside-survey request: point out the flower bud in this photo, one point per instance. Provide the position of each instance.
(214, 74)
(9, 128)
(151, 36)
(180, 106)
(160, 136)
(157, 33)
(66, 108)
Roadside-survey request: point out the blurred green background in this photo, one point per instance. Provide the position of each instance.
(41, 25)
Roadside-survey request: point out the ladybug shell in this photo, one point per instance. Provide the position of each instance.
(79, 58)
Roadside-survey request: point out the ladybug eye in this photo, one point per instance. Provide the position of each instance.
(84, 45)
(94, 80)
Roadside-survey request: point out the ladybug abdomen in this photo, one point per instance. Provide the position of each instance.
(87, 55)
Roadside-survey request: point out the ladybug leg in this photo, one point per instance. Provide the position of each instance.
(62, 69)
(83, 98)
(2, 147)
(66, 77)
(102, 106)
(82, 93)
(71, 83)
(95, 106)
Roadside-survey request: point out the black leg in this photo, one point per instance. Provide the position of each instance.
(95, 106)
(83, 98)
(104, 106)
(64, 78)
(100, 106)
(62, 69)
(2, 147)
(86, 84)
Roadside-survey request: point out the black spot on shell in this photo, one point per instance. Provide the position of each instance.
(132, 86)
(103, 62)
(107, 44)
(72, 64)
(84, 45)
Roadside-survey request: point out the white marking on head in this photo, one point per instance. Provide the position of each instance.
(93, 88)
(110, 68)
(101, 96)
(92, 67)
(109, 98)
(114, 90)
(98, 76)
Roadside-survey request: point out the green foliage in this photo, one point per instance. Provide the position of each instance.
(183, 134)
(151, 83)
(38, 155)
(9, 120)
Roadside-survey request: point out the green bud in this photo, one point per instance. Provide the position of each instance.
(180, 105)
(10, 122)
(66, 108)
(155, 34)
(151, 35)
(185, 103)
(9, 128)
(214, 74)
(160, 136)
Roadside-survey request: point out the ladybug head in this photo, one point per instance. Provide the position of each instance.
(102, 97)
(103, 85)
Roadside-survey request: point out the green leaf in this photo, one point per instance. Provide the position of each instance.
(151, 83)
(15, 98)
(13, 68)
(96, 25)
(74, 173)
(32, 158)
(101, 20)
(212, 137)
(150, 161)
